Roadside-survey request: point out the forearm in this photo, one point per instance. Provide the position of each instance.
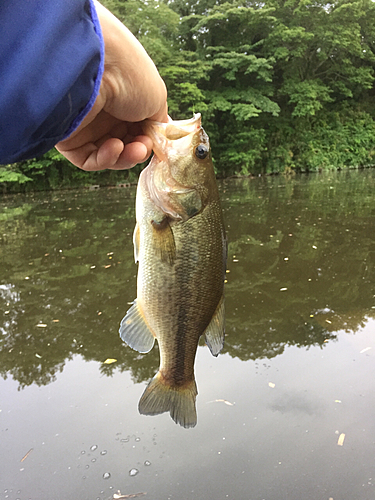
(51, 63)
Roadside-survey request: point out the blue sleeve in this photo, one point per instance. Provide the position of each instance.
(51, 65)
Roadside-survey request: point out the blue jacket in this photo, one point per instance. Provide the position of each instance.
(51, 64)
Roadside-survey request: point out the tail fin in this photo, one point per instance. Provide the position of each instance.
(160, 397)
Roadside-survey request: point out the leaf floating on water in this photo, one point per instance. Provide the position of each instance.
(272, 385)
(341, 439)
(364, 350)
(109, 361)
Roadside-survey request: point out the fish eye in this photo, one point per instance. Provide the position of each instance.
(201, 151)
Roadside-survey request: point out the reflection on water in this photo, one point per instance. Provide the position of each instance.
(300, 268)
(300, 274)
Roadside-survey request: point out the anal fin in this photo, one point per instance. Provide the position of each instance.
(134, 330)
(214, 333)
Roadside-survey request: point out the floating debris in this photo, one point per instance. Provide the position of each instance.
(147, 463)
(119, 496)
(272, 385)
(27, 454)
(341, 439)
(283, 289)
(109, 361)
(41, 325)
(222, 401)
(133, 472)
(106, 475)
(94, 447)
(364, 350)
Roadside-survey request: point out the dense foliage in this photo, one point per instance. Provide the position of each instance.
(282, 85)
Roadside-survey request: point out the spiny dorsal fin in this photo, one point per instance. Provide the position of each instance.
(214, 333)
(134, 330)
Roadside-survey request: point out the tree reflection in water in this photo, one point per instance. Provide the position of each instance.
(300, 269)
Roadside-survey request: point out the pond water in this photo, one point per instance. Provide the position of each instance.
(285, 412)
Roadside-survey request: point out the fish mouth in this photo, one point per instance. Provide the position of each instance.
(179, 130)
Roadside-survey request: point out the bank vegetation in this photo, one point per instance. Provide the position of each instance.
(283, 86)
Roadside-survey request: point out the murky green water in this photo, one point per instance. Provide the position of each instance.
(286, 412)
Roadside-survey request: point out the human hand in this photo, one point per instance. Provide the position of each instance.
(111, 135)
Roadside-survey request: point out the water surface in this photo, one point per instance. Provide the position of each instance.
(286, 412)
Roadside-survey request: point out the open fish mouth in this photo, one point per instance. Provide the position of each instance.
(161, 133)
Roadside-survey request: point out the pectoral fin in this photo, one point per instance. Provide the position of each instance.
(214, 333)
(134, 330)
(163, 240)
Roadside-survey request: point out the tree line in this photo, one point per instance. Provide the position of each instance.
(282, 85)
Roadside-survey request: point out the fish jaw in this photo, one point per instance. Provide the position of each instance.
(162, 133)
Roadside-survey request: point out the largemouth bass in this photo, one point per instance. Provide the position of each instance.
(180, 245)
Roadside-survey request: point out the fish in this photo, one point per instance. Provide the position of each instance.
(181, 248)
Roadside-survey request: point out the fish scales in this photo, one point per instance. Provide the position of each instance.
(180, 245)
(181, 303)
